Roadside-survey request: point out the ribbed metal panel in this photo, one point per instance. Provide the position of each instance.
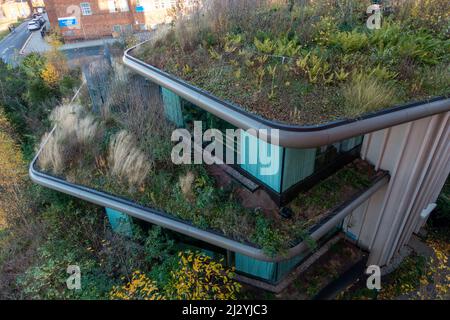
(417, 156)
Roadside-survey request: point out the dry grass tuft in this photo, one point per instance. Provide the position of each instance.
(72, 140)
(366, 94)
(135, 105)
(186, 185)
(126, 161)
(67, 112)
(51, 155)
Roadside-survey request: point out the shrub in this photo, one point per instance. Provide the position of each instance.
(200, 278)
(46, 278)
(160, 253)
(126, 161)
(271, 241)
(365, 94)
(50, 75)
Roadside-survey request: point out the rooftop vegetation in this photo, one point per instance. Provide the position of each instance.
(126, 149)
(43, 231)
(308, 62)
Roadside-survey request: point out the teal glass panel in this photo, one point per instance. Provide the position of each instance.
(120, 222)
(284, 267)
(262, 160)
(298, 165)
(257, 268)
(351, 143)
(172, 107)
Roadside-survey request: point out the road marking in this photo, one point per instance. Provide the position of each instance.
(25, 44)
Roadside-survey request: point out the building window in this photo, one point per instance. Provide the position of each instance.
(128, 28)
(118, 6)
(112, 6)
(86, 9)
(123, 5)
(117, 28)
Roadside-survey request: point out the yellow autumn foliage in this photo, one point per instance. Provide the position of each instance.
(12, 168)
(55, 67)
(50, 75)
(199, 277)
(140, 287)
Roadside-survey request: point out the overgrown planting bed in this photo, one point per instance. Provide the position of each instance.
(126, 149)
(310, 63)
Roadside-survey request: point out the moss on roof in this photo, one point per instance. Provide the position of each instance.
(312, 64)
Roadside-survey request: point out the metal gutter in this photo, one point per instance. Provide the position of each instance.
(293, 136)
(166, 221)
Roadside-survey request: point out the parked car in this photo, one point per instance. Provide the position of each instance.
(34, 25)
(37, 16)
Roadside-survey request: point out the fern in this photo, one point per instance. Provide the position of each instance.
(267, 46)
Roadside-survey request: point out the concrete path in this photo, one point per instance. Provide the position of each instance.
(40, 45)
(35, 44)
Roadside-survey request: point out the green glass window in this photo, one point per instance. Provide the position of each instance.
(120, 222)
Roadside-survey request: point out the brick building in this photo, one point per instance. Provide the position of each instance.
(90, 19)
(11, 10)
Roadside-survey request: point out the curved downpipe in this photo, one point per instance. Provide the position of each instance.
(293, 136)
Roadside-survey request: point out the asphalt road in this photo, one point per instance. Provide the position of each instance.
(12, 43)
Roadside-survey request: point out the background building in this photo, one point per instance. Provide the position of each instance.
(90, 19)
(11, 10)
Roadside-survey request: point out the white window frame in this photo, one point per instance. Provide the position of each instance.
(85, 8)
(112, 6)
(123, 6)
(115, 6)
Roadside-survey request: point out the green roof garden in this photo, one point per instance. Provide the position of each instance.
(308, 63)
(125, 151)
